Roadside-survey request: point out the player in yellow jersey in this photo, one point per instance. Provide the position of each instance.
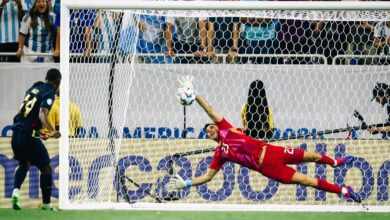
(75, 121)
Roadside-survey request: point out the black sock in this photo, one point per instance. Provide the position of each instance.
(20, 175)
(45, 183)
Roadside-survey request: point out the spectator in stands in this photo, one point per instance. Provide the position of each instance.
(37, 32)
(127, 36)
(294, 38)
(155, 36)
(226, 39)
(57, 46)
(11, 13)
(81, 35)
(28, 3)
(259, 36)
(193, 38)
(382, 40)
(56, 8)
(103, 34)
(361, 35)
(56, 5)
(330, 38)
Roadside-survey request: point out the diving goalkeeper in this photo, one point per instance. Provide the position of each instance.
(269, 160)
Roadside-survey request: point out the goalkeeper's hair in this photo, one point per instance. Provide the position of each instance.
(206, 125)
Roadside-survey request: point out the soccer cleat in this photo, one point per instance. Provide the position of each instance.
(344, 160)
(50, 209)
(353, 195)
(47, 207)
(16, 202)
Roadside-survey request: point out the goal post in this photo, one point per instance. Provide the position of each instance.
(316, 61)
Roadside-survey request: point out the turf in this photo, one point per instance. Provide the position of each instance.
(10, 214)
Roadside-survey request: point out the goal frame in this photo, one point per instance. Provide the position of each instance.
(64, 202)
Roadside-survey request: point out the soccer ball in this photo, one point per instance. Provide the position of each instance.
(186, 96)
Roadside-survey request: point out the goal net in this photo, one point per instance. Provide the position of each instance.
(295, 78)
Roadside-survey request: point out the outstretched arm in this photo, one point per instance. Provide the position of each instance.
(205, 177)
(186, 82)
(178, 183)
(213, 114)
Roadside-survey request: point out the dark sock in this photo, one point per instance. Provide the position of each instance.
(45, 183)
(20, 175)
(326, 160)
(324, 185)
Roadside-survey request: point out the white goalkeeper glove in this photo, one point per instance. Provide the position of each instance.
(178, 183)
(186, 82)
(186, 94)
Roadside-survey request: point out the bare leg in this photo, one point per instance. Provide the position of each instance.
(311, 156)
(303, 179)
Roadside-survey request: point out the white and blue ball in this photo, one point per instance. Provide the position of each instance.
(186, 96)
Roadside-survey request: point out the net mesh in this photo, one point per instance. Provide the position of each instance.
(267, 72)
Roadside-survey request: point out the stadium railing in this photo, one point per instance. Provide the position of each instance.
(319, 57)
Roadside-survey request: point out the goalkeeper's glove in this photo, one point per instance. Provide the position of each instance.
(178, 183)
(186, 82)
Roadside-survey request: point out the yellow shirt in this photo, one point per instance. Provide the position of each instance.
(270, 117)
(74, 118)
(54, 117)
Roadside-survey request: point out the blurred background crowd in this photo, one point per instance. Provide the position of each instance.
(30, 32)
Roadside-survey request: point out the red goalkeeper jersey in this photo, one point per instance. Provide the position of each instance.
(236, 147)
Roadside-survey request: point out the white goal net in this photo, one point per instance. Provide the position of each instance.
(299, 78)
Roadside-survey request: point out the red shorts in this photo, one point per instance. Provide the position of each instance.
(275, 160)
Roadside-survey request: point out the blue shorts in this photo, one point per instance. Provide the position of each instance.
(29, 149)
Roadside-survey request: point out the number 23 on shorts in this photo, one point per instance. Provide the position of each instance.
(289, 150)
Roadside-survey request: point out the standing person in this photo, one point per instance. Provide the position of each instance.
(11, 13)
(193, 39)
(27, 147)
(226, 37)
(361, 40)
(294, 38)
(329, 38)
(382, 40)
(269, 160)
(75, 121)
(259, 36)
(37, 32)
(103, 34)
(155, 36)
(381, 94)
(57, 47)
(81, 32)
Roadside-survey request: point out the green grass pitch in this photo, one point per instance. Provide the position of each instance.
(26, 214)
